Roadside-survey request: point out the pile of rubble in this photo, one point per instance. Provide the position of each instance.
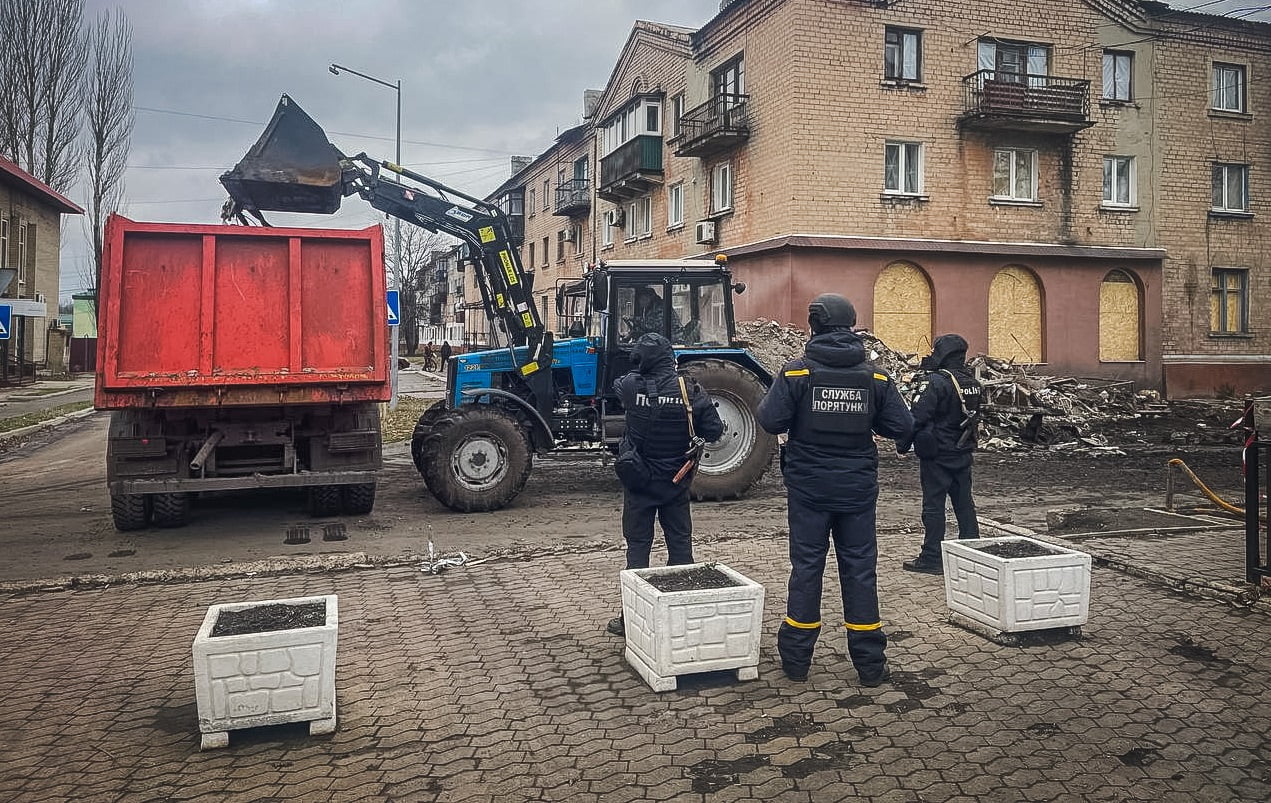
(1022, 409)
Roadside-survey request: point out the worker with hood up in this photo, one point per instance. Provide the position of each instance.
(669, 417)
(832, 401)
(946, 412)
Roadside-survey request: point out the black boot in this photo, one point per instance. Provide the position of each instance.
(923, 566)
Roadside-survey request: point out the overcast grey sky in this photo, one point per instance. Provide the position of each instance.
(481, 80)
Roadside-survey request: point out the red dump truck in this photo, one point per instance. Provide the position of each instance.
(238, 357)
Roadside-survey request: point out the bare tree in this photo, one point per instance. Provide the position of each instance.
(43, 48)
(413, 282)
(108, 122)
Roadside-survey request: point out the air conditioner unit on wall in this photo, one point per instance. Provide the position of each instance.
(569, 236)
(614, 217)
(705, 232)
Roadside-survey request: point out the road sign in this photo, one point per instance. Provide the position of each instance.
(394, 308)
(28, 308)
(6, 321)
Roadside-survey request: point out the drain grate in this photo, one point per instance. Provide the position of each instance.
(334, 532)
(297, 535)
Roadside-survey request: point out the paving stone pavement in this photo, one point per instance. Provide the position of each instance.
(1212, 556)
(498, 682)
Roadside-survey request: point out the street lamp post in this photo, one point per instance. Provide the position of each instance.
(336, 69)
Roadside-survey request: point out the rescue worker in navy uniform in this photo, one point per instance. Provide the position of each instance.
(832, 401)
(946, 411)
(657, 427)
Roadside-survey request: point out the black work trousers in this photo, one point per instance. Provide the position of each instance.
(856, 550)
(945, 480)
(669, 503)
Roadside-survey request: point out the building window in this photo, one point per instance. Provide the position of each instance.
(1229, 87)
(576, 231)
(546, 256)
(675, 205)
(722, 187)
(1015, 174)
(560, 245)
(902, 59)
(1014, 62)
(729, 79)
(4, 242)
(1118, 181)
(1231, 188)
(530, 262)
(1229, 302)
(902, 168)
(547, 191)
(677, 111)
(24, 269)
(640, 218)
(606, 230)
(531, 203)
(641, 116)
(1117, 67)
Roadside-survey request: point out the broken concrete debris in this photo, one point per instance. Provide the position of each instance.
(1022, 409)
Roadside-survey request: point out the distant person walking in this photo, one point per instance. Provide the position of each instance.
(831, 401)
(946, 412)
(446, 351)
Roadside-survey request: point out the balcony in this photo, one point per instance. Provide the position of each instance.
(631, 170)
(998, 101)
(573, 198)
(721, 123)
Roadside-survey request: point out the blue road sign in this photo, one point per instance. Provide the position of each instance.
(6, 321)
(394, 308)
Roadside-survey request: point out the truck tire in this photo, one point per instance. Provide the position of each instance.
(170, 509)
(129, 511)
(476, 458)
(324, 501)
(422, 429)
(357, 500)
(735, 462)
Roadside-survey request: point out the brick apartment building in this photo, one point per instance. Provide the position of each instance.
(1078, 184)
(30, 245)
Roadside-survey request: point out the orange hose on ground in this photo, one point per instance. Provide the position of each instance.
(1213, 497)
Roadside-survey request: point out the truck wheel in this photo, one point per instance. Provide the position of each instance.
(170, 510)
(130, 511)
(735, 462)
(476, 458)
(422, 429)
(324, 500)
(358, 500)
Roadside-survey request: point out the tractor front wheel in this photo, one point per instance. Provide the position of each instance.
(474, 459)
(735, 462)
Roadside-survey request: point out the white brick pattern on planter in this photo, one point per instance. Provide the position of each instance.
(672, 633)
(1017, 594)
(269, 678)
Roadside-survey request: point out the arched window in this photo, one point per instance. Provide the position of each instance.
(902, 308)
(1015, 316)
(1119, 318)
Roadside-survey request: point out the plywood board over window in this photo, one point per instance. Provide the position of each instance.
(1119, 316)
(902, 308)
(1015, 316)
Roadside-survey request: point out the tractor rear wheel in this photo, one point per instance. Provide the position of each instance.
(475, 458)
(423, 427)
(735, 462)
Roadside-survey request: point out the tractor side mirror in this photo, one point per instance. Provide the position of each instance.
(560, 305)
(739, 287)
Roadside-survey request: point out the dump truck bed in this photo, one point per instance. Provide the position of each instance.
(197, 315)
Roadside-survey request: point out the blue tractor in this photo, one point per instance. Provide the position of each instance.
(533, 392)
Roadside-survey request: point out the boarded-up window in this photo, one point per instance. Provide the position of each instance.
(1119, 339)
(902, 308)
(1015, 316)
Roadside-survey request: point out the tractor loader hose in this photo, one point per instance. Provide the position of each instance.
(1204, 489)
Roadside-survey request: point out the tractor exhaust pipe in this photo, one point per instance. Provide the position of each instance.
(205, 450)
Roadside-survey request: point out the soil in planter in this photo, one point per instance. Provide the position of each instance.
(265, 618)
(1016, 549)
(695, 579)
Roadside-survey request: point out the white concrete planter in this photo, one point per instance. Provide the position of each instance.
(671, 633)
(269, 678)
(1012, 595)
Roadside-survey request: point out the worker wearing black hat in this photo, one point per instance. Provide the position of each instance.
(946, 413)
(832, 401)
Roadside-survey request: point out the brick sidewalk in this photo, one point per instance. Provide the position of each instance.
(497, 682)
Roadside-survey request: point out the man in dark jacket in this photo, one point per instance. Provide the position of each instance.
(446, 351)
(946, 411)
(656, 401)
(831, 402)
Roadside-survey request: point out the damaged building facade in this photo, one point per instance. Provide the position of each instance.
(1080, 186)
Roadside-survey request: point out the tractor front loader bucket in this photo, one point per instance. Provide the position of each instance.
(293, 167)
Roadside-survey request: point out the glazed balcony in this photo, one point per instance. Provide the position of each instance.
(719, 124)
(999, 101)
(631, 170)
(573, 198)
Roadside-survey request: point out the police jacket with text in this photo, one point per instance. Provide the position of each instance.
(657, 423)
(832, 402)
(942, 431)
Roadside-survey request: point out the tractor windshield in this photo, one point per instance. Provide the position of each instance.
(700, 306)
